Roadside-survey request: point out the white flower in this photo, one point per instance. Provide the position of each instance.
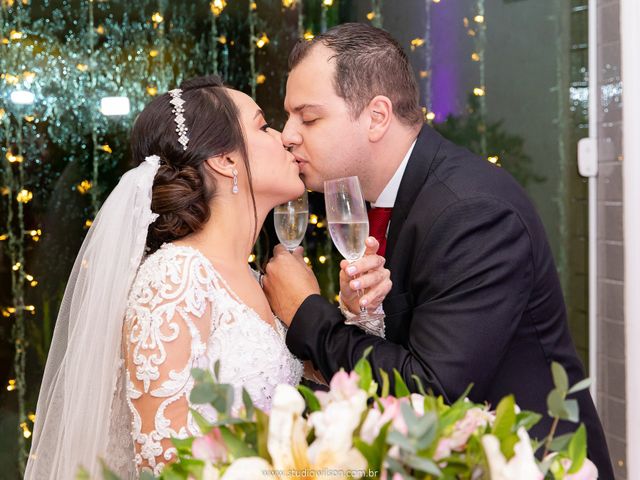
(521, 467)
(249, 468)
(210, 472)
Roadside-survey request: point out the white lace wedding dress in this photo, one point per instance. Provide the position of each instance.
(181, 314)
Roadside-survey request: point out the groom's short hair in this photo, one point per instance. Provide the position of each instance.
(369, 62)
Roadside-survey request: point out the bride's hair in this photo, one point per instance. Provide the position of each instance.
(183, 186)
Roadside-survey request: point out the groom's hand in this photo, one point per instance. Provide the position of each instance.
(368, 275)
(288, 282)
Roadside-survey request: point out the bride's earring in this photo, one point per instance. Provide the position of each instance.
(235, 181)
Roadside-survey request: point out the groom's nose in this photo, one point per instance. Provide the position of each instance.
(290, 135)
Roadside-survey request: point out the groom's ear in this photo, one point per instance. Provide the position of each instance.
(379, 111)
(223, 164)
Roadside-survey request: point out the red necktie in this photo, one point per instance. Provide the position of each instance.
(378, 223)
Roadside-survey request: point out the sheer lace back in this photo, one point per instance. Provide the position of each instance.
(181, 314)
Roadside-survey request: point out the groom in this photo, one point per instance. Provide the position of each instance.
(475, 297)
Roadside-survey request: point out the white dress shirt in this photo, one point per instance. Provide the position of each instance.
(387, 198)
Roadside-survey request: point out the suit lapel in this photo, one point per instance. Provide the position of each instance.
(415, 175)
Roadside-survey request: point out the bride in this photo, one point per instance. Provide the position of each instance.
(161, 285)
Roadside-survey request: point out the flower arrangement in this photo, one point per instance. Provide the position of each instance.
(351, 431)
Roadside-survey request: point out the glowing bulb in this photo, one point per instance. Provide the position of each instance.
(88, 224)
(430, 116)
(153, 91)
(32, 416)
(112, 106)
(307, 261)
(308, 35)
(322, 259)
(153, 53)
(1, 113)
(253, 6)
(222, 39)
(16, 267)
(262, 41)
(371, 16)
(16, 35)
(11, 386)
(313, 219)
(475, 57)
(3, 237)
(493, 159)
(14, 158)
(478, 92)
(157, 18)
(24, 196)
(22, 97)
(82, 67)
(327, 3)
(217, 6)
(260, 79)
(252, 258)
(479, 19)
(288, 3)
(84, 186)
(417, 42)
(10, 79)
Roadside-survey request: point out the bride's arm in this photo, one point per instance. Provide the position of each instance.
(166, 332)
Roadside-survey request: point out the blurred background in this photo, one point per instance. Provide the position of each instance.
(508, 79)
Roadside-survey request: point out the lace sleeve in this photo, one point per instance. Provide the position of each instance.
(167, 325)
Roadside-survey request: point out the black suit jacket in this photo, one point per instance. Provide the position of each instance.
(476, 297)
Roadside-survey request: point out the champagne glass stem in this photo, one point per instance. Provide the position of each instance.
(363, 309)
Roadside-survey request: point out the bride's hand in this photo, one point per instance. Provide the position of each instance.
(367, 274)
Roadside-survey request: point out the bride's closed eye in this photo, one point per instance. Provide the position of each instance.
(265, 127)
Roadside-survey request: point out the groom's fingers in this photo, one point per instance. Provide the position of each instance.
(370, 280)
(363, 265)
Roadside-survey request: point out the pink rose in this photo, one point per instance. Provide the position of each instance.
(343, 386)
(210, 447)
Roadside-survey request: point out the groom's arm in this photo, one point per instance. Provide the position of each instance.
(471, 282)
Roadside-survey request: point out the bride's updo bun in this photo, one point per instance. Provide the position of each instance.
(184, 184)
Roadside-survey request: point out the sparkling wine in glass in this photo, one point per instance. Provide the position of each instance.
(347, 218)
(290, 220)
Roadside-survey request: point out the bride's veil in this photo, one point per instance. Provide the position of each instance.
(78, 395)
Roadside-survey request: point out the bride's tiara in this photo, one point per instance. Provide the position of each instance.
(178, 111)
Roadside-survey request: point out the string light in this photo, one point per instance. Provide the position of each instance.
(288, 3)
(322, 259)
(32, 417)
(29, 118)
(100, 30)
(157, 18)
(16, 266)
(153, 53)
(153, 91)
(12, 385)
(416, 42)
(262, 41)
(313, 219)
(14, 158)
(260, 79)
(24, 196)
(327, 3)
(217, 6)
(16, 35)
(25, 430)
(1, 113)
(253, 6)
(3, 237)
(106, 148)
(475, 57)
(478, 91)
(479, 19)
(252, 258)
(222, 39)
(320, 225)
(308, 35)
(307, 261)
(82, 67)
(84, 186)
(29, 77)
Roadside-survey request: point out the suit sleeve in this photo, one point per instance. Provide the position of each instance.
(471, 280)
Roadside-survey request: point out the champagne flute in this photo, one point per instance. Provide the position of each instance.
(347, 218)
(290, 220)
